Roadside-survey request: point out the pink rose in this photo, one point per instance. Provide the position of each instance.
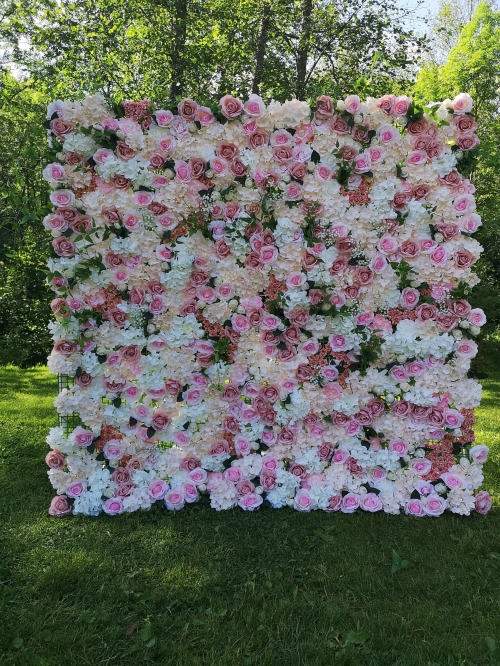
(453, 480)
(204, 116)
(416, 158)
(350, 503)
(409, 298)
(254, 106)
(190, 492)
(183, 171)
(463, 259)
(160, 420)
(426, 311)
(232, 474)
(462, 103)
(401, 105)
(362, 162)
(157, 489)
(482, 502)
(388, 134)
(466, 348)
(334, 503)
(163, 118)
(157, 305)
(323, 173)
(303, 500)
(370, 502)
(174, 498)
(63, 247)
(250, 501)
(435, 505)
(113, 506)
(398, 446)
(352, 104)
(420, 466)
(415, 507)
(479, 453)
(231, 107)
(325, 451)
(415, 368)
(76, 488)
(113, 449)
(477, 317)
(337, 343)
(55, 459)
(386, 104)
(81, 437)
(187, 109)
(293, 192)
(59, 506)
(340, 456)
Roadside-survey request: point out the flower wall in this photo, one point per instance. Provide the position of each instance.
(264, 305)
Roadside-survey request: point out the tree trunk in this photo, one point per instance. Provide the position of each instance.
(303, 48)
(261, 46)
(180, 8)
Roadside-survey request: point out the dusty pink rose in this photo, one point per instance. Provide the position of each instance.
(63, 247)
(59, 506)
(55, 459)
(482, 502)
(161, 420)
(231, 107)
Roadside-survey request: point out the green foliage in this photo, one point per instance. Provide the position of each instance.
(169, 48)
(229, 588)
(24, 303)
(473, 66)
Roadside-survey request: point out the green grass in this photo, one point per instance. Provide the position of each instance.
(274, 588)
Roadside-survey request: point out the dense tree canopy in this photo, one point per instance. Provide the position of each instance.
(198, 47)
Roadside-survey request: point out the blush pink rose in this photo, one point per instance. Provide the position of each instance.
(398, 446)
(479, 453)
(113, 506)
(250, 501)
(482, 502)
(174, 498)
(415, 507)
(157, 489)
(350, 503)
(370, 502)
(81, 437)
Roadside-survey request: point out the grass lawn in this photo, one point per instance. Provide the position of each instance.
(274, 588)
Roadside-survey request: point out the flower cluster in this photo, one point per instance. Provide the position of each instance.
(264, 305)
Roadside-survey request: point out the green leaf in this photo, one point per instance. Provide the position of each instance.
(398, 563)
(45, 635)
(356, 638)
(491, 644)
